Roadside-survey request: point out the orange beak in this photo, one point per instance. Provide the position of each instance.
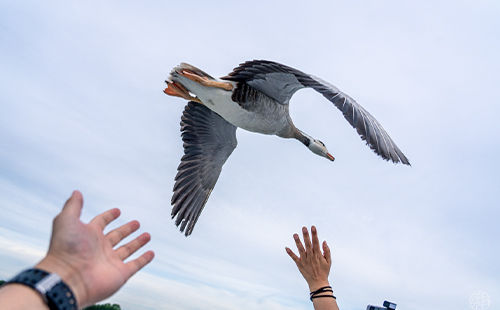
(330, 157)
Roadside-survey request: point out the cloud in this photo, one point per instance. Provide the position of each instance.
(82, 108)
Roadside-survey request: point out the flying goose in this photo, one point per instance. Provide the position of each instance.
(254, 97)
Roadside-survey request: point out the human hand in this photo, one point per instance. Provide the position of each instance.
(84, 257)
(313, 265)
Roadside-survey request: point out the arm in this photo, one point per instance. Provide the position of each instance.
(84, 258)
(314, 267)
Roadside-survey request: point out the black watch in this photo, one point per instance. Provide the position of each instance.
(54, 291)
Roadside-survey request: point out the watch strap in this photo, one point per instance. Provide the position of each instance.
(54, 291)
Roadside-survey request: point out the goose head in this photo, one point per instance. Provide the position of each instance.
(319, 148)
(315, 146)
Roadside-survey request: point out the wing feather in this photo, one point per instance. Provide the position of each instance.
(208, 140)
(280, 82)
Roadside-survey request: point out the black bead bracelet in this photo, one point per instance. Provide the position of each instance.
(322, 290)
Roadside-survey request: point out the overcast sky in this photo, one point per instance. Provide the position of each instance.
(82, 107)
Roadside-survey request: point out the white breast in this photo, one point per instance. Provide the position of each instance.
(219, 101)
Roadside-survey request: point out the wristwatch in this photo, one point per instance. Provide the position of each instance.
(56, 294)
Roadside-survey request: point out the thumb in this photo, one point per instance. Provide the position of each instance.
(73, 206)
(327, 254)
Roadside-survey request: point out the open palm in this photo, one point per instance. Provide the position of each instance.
(85, 258)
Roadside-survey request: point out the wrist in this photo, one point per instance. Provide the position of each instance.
(49, 287)
(68, 274)
(313, 286)
(323, 292)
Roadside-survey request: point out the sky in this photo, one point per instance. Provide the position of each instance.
(82, 107)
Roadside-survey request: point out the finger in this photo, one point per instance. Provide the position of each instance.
(315, 241)
(327, 254)
(292, 255)
(74, 204)
(103, 219)
(299, 245)
(130, 248)
(122, 232)
(137, 264)
(307, 240)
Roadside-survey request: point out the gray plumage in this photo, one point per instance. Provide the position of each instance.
(280, 82)
(208, 141)
(259, 103)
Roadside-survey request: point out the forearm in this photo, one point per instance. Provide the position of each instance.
(20, 297)
(326, 303)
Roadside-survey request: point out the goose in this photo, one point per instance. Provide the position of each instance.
(255, 96)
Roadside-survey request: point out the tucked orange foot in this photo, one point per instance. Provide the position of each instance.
(177, 90)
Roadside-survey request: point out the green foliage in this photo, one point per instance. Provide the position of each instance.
(104, 307)
(2, 282)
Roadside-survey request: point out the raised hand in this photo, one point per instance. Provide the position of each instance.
(85, 258)
(314, 266)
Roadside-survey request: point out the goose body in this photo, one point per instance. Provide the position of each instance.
(263, 114)
(254, 97)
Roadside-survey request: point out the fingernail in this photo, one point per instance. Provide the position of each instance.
(296, 237)
(313, 229)
(304, 230)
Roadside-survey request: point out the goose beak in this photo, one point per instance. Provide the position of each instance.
(330, 157)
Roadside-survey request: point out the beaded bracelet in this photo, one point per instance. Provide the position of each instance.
(322, 290)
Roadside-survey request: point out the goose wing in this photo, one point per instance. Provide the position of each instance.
(280, 82)
(208, 140)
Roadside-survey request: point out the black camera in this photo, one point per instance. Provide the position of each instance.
(387, 306)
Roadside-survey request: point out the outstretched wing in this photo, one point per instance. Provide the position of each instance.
(281, 82)
(208, 142)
